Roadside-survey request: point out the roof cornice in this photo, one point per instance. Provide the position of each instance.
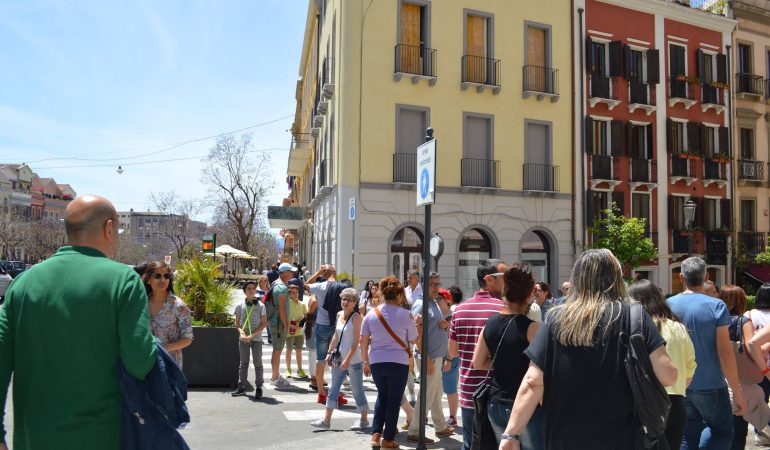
(680, 13)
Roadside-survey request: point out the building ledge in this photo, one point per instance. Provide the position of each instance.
(634, 185)
(479, 189)
(648, 109)
(400, 185)
(415, 78)
(719, 109)
(611, 104)
(480, 87)
(687, 180)
(719, 183)
(534, 193)
(687, 102)
(597, 181)
(754, 97)
(540, 95)
(321, 196)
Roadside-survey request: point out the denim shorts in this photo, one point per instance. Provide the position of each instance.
(449, 379)
(323, 337)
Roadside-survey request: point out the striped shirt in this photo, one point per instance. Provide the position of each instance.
(468, 320)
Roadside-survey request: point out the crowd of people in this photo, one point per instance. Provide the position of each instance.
(523, 368)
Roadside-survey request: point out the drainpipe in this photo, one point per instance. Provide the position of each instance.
(583, 132)
(731, 193)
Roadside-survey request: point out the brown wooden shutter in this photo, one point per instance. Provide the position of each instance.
(616, 137)
(671, 206)
(699, 69)
(589, 135)
(724, 141)
(699, 212)
(653, 66)
(726, 211)
(589, 217)
(616, 52)
(410, 57)
(722, 68)
(650, 142)
(669, 136)
(693, 137)
(590, 55)
(475, 40)
(618, 197)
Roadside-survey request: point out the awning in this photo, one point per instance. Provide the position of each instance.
(286, 217)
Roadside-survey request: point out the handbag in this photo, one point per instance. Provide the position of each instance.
(335, 358)
(483, 433)
(748, 372)
(391, 333)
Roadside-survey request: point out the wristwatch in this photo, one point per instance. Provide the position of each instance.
(510, 437)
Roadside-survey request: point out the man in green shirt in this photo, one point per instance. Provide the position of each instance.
(65, 325)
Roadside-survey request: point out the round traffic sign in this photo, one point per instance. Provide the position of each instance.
(424, 183)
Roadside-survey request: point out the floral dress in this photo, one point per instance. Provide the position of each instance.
(172, 323)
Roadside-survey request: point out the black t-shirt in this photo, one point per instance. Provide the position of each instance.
(587, 403)
(511, 364)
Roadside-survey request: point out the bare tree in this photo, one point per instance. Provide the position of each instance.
(239, 183)
(14, 233)
(129, 252)
(45, 237)
(179, 226)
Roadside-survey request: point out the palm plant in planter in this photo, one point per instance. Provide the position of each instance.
(212, 359)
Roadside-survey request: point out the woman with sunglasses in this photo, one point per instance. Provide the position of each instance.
(169, 316)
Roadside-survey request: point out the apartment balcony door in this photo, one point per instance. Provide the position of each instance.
(536, 56)
(412, 38)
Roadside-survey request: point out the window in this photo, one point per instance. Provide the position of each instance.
(747, 143)
(635, 66)
(598, 59)
(709, 140)
(640, 207)
(478, 167)
(538, 174)
(411, 123)
(748, 215)
(478, 67)
(677, 65)
(708, 68)
(711, 215)
(413, 38)
(637, 141)
(676, 212)
(677, 138)
(475, 246)
(600, 133)
(744, 59)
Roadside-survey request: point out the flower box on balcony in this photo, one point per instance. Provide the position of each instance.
(718, 85)
(691, 80)
(720, 158)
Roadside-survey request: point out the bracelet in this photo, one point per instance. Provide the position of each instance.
(365, 362)
(766, 371)
(510, 437)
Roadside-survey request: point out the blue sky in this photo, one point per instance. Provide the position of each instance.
(111, 80)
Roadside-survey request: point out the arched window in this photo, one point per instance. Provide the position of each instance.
(536, 252)
(475, 246)
(406, 251)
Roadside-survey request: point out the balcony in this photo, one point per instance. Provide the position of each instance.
(682, 168)
(752, 242)
(644, 172)
(299, 154)
(479, 173)
(712, 98)
(415, 62)
(679, 242)
(680, 91)
(603, 89)
(604, 169)
(714, 173)
(541, 177)
(748, 86)
(751, 171)
(541, 82)
(480, 72)
(405, 168)
(716, 248)
(641, 96)
(327, 78)
(321, 184)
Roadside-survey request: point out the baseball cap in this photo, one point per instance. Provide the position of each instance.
(285, 267)
(444, 293)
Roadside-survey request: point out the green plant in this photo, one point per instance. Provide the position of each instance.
(750, 300)
(345, 275)
(763, 258)
(208, 298)
(624, 237)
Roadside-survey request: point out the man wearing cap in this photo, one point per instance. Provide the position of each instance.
(279, 329)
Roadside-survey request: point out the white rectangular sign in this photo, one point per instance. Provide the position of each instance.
(352, 208)
(426, 173)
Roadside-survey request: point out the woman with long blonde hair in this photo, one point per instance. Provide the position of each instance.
(579, 355)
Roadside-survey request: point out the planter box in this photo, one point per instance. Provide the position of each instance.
(212, 359)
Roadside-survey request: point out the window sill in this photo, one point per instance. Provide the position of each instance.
(611, 104)
(719, 183)
(648, 109)
(634, 185)
(611, 183)
(719, 109)
(687, 180)
(687, 102)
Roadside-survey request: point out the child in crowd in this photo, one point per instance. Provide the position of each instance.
(250, 320)
(296, 336)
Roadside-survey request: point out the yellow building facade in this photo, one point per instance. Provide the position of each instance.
(491, 78)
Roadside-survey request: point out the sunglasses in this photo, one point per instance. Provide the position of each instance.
(435, 284)
(348, 299)
(158, 276)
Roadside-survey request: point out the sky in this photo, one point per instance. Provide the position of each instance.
(110, 82)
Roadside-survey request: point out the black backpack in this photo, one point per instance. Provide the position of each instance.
(651, 402)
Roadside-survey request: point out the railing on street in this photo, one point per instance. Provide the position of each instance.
(747, 83)
(480, 172)
(712, 95)
(602, 87)
(641, 93)
(751, 170)
(481, 70)
(404, 168)
(541, 177)
(680, 89)
(604, 167)
(644, 170)
(541, 79)
(417, 60)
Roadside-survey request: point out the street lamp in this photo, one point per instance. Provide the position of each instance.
(689, 217)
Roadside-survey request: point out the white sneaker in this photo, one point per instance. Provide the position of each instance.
(359, 425)
(320, 424)
(762, 438)
(280, 381)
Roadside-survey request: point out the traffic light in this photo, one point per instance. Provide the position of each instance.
(209, 243)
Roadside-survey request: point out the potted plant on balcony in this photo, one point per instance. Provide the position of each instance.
(719, 85)
(212, 359)
(694, 155)
(720, 158)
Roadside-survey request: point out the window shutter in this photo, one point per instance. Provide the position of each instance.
(693, 137)
(627, 62)
(699, 70)
(724, 141)
(616, 50)
(722, 68)
(618, 197)
(669, 136)
(653, 66)
(589, 135)
(671, 205)
(700, 213)
(726, 211)
(616, 135)
(629, 143)
(589, 217)
(650, 144)
(589, 55)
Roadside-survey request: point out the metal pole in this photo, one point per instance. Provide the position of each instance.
(425, 318)
(353, 256)
(689, 238)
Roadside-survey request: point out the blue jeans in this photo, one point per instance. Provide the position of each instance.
(390, 379)
(531, 438)
(323, 337)
(355, 371)
(468, 415)
(709, 420)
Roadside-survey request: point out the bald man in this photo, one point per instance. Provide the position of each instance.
(65, 325)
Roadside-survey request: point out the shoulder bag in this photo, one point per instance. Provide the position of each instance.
(391, 333)
(748, 372)
(335, 358)
(483, 433)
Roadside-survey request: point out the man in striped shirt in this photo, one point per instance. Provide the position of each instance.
(467, 322)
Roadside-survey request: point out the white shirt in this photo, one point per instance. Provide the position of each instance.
(413, 295)
(319, 290)
(534, 312)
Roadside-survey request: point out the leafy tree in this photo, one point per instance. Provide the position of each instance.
(179, 226)
(624, 237)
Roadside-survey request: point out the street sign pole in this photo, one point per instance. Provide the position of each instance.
(352, 217)
(426, 195)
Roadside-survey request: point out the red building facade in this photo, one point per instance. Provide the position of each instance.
(655, 127)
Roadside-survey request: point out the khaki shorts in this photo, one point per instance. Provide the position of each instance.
(295, 342)
(278, 334)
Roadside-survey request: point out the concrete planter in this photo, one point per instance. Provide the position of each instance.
(212, 359)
